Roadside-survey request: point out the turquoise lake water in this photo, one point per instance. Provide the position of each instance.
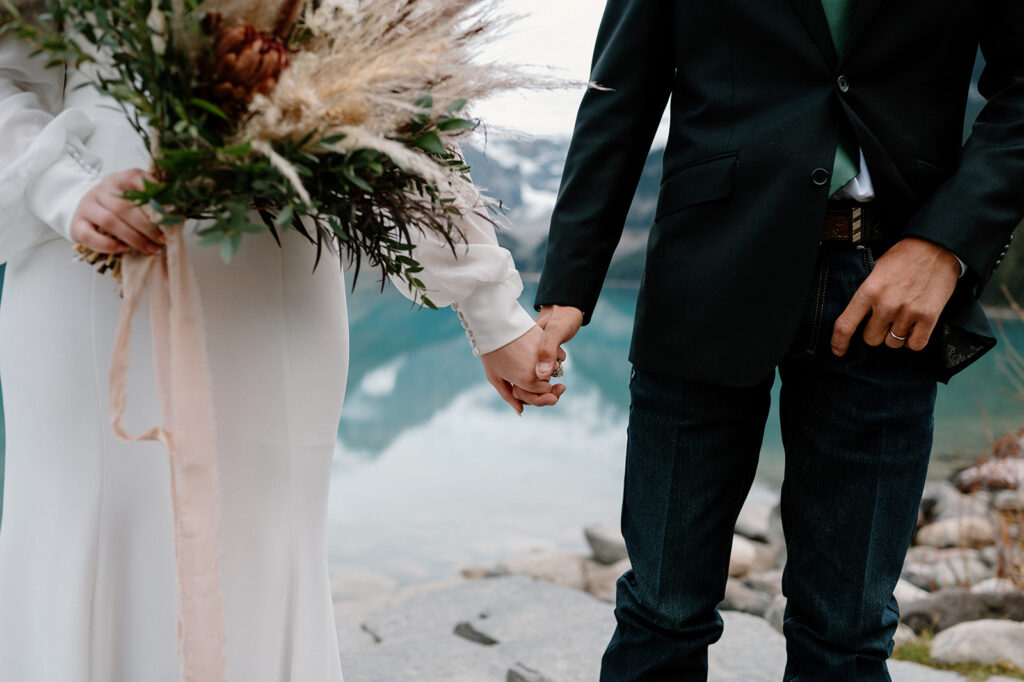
(434, 473)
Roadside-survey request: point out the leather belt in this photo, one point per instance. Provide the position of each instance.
(851, 222)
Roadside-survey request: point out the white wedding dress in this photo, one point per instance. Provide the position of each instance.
(87, 577)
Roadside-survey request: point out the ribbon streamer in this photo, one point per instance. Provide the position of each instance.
(179, 343)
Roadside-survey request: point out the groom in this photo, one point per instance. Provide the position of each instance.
(818, 216)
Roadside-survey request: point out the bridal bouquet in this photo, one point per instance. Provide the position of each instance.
(336, 118)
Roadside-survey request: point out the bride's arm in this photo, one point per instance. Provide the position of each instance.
(479, 280)
(45, 167)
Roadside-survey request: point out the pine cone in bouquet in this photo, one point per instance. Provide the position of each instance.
(246, 62)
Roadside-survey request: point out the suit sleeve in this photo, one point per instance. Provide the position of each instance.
(633, 73)
(45, 167)
(974, 213)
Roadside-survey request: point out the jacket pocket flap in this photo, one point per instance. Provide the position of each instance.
(695, 184)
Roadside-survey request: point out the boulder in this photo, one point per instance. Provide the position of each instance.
(963, 531)
(1009, 500)
(908, 593)
(754, 522)
(989, 642)
(942, 610)
(606, 542)
(995, 585)
(739, 597)
(777, 536)
(743, 556)
(769, 582)
(601, 579)
(933, 569)
(903, 635)
(942, 501)
(995, 474)
(556, 566)
(776, 613)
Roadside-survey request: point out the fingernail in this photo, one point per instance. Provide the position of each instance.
(543, 367)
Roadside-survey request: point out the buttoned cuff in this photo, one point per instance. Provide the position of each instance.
(492, 316)
(54, 194)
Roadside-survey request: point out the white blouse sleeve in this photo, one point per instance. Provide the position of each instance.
(478, 280)
(45, 167)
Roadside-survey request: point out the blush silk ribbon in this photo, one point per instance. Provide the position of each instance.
(179, 344)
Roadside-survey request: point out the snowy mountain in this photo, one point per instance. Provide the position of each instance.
(524, 176)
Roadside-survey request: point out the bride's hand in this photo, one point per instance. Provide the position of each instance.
(107, 223)
(511, 370)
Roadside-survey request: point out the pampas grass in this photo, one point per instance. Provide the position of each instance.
(364, 65)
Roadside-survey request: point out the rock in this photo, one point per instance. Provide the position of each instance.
(520, 673)
(468, 631)
(476, 573)
(965, 531)
(904, 635)
(767, 558)
(943, 610)
(749, 651)
(988, 642)
(1009, 500)
(995, 585)
(606, 542)
(739, 597)
(601, 580)
(934, 569)
(776, 613)
(769, 582)
(942, 501)
(754, 522)
(743, 556)
(542, 626)
(907, 593)
(991, 555)
(776, 536)
(555, 566)
(995, 474)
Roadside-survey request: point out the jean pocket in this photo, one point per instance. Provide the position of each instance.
(867, 258)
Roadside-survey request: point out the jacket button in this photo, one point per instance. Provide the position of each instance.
(843, 84)
(820, 177)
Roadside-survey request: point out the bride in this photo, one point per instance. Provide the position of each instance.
(87, 565)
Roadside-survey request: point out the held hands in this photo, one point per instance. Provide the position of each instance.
(510, 369)
(107, 223)
(560, 324)
(901, 298)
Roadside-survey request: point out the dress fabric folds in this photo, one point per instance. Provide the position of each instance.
(87, 573)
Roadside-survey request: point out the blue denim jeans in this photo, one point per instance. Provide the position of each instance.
(857, 432)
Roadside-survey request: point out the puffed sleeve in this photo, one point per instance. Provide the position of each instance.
(45, 167)
(478, 280)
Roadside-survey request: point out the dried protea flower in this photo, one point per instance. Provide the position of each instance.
(246, 62)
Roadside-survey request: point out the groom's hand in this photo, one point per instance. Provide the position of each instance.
(560, 323)
(901, 298)
(510, 369)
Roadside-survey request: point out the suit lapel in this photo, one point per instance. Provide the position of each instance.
(813, 15)
(862, 16)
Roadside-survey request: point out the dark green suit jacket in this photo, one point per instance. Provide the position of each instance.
(760, 99)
